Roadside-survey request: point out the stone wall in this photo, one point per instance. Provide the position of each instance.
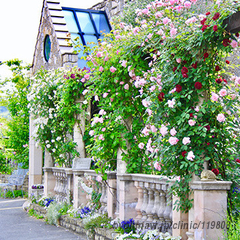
(112, 7)
(46, 28)
(75, 225)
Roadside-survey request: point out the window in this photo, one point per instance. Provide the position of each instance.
(47, 48)
(88, 25)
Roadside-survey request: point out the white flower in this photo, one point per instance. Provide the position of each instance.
(190, 156)
(171, 103)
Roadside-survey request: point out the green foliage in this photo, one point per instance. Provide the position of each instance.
(32, 212)
(53, 212)
(129, 12)
(4, 166)
(154, 84)
(97, 221)
(233, 228)
(17, 193)
(15, 129)
(53, 105)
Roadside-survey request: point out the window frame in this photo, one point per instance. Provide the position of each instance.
(89, 11)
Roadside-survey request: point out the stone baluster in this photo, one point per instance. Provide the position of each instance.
(162, 207)
(167, 212)
(140, 200)
(145, 202)
(156, 202)
(150, 187)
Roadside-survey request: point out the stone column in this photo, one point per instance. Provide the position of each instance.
(79, 129)
(49, 182)
(111, 194)
(35, 160)
(179, 222)
(128, 195)
(210, 209)
(79, 196)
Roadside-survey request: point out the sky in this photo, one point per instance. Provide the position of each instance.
(19, 23)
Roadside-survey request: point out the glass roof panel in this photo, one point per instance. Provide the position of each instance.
(85, 22)
(70, 20)
(101, 23)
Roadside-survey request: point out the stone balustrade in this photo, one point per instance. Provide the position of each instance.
(63, 184)
(144, 198)
(153, 203)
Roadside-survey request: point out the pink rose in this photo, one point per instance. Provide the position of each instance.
(141, 145)
(191, 122)
(101, 69)
(221, 117)
(223, 92)
(186, 140)
(163, 130)
(234, 43)
(157, 166)
(187, 4)
(190, 156)
(173, 132)
(126, 86)
(105, 95)
(99, 179)
(214, 97)
(173, 140)
(113, 69)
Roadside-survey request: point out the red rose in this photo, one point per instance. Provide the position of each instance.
(218, 80)
(206, 55)
(215, 171)
(191, 115)
(178, 88)
(203, 21)
(237, 34)
(198, 85)
(207, 127)
(215, 28)
(184, 70)
(216, 16)
(208, 143)
(225, 80)
(217, 68)
(185, 75)
(227, 62)
(174, 69)
(208, 13)
(184, 153)
(194, 65)
(160, 96)
(238, 160)
(204, 27)
(228, 160)
(226, 42)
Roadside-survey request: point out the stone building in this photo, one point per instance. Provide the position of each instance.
(53, 48)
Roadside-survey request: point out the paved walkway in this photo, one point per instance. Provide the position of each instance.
(15, 224)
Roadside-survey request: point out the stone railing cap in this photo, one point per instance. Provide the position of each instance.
(211, 185)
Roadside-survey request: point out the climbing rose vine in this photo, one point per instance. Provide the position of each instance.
(167, 94)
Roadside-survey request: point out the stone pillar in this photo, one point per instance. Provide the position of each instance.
(35, 160)
(69, 174)
(179, 222)
(49, 182)
(111, 195)
(79, 196)
(79, 129)
(210, 209)
(128, 195)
